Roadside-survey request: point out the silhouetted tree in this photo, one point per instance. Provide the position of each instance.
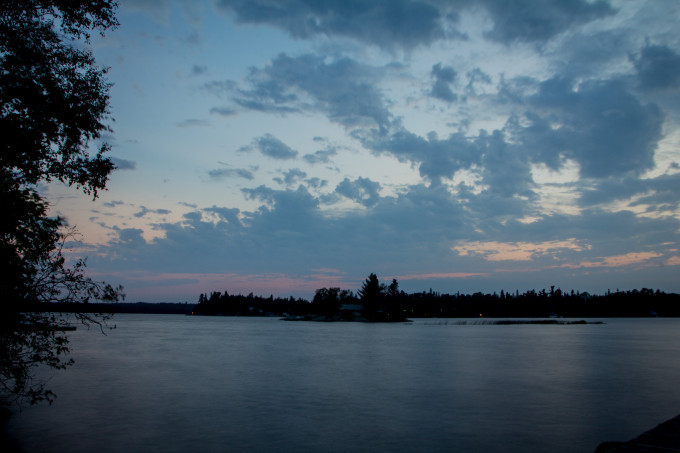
(371, 295)
(393, 289)
(327, 301)
(54, 102)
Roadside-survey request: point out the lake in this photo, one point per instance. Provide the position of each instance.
(172, 383)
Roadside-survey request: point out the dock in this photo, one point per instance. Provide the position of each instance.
(664, 438)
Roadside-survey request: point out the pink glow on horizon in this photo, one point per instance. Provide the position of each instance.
(441, 275)
(175, 286)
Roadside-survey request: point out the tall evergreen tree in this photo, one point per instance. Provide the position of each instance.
(372, 294)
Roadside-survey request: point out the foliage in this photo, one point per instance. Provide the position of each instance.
(54, 99)
(327, 301)
(53, 105)
(372, 294)
(239, 305)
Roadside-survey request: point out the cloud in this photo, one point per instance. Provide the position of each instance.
(661, 194)
(451, 238)
(113, 204)
(131, 237)
(291, 177)
(517, 251)
(436, 158)
(556, 163)
(271, 146)
(144, 211)
(343, 89)
(658, 68)
(407, 24)
(590, 54)
(316, 183)
(476, 77)
(322, 156)
(229, 215)
(444, 77)
(387, 24)
(600, 125)
(528, 21)
(123, 164)
(222, 173)
(362, 190)
(627, 259)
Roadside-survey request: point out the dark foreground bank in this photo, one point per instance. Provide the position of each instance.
(664, 438)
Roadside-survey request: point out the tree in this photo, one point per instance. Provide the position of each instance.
(53, 105)
(394, 302)
(393, 289)
(327, 301)
(371, 294)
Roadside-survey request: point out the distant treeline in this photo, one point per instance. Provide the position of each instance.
(375, 301)
(238, 305)
(378, 302)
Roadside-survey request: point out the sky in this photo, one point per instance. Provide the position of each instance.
(278, 147)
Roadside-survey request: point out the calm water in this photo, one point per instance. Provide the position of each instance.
(171, 383)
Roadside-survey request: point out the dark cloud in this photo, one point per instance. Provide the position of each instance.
(344, 90)
(362, 190)
(322, 156)
(406, 24)
(194, 216)
(476, 77)
(529, 21)
(658, 68)
(123, 164)
(113, 204)
(661, 193)
(385, 23)
(131, 237)
(444, 77)
(272, 147)
(598, 124)
(286, 218)
(221, 173)
(291, 177)
(291, 235)
(144, 211)
(316, 183)
(229, 215)
(436, 158)
(505, 168)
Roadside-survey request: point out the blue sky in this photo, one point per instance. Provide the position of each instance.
(282, 146)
